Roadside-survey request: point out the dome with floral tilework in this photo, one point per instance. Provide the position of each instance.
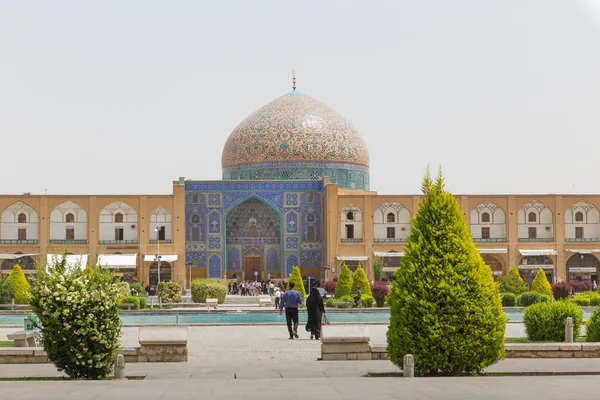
(296, 137)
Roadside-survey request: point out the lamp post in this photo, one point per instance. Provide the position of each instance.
(157, 230)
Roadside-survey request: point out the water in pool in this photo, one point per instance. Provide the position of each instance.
(243, 318)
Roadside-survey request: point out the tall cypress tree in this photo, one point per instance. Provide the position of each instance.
(444, 304)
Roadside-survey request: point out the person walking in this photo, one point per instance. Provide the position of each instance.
(316, 310)
(291, 300)
(277, 298)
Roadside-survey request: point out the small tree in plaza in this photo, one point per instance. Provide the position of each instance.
(344, 283)
(512, 282)
(444, 304)
(377, 268)
(79, 318)
(361, 281)
(540, 284)
(15, 286)
(298, 283)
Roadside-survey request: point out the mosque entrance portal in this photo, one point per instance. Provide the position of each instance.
(253, 240)
(252, 267)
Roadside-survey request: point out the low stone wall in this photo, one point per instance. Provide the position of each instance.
(552, 350)
(157, 344)
(350, 342)
(37, 355)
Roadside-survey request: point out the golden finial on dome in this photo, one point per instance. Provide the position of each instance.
(293, 80)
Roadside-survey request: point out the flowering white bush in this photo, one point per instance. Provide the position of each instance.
(79, 319)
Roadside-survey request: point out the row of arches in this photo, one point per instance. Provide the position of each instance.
(487, 222)
(68, 222)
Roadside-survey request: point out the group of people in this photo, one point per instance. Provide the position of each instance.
(249, 288)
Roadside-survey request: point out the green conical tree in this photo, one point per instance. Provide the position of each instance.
(298, 284)
(512, 282)
(444, 304)
(344, 284)
(88, 270)
(540, 284)
(361, 281)
(17, 281)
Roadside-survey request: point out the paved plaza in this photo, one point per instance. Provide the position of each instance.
(258, 362)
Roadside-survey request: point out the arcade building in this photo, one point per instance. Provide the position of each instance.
(294, 192)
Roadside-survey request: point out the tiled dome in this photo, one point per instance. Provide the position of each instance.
(294, 127)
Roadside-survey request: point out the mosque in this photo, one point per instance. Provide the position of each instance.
(295, 191)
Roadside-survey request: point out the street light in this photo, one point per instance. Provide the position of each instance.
(157, 230)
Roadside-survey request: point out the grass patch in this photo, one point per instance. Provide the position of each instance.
(526, 340)
(6, 343)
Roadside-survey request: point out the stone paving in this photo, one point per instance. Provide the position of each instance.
(251, 362)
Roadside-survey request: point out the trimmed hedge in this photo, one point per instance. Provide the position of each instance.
(546, 321)
(528, 298)
(329, 302)
(581, 300)
(593, 326)
(367, 301)
(131, 300)
(545, 299)
(509, 299)
(203, 289)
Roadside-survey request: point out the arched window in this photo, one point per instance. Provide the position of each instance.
(391, 217)
(531, 217)
(22, 218)
(350, 216)
(578, 216)
(485, 217)
(118, 217)
(69, 218)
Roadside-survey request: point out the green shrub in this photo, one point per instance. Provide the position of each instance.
(143, 301)
(509, 299)
(546, 321)
(595, 301)
(15, 286)
(367, 301)
(344, 283)
(361, 282)
(444, 303)
(329, 302)
(545, 299)
(298, 283)
(345, 298)
(512, 282)
(593, 326)
(528, 298)
(169, 292)
(7, 292)
(78, 318)
(581, 300)
(131, 300)
(203, 289)
(137, 287)
(123, 288)
(88, 270)
(341, 305)
(540, 284)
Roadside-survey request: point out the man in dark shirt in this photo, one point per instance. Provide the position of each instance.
(290, 300)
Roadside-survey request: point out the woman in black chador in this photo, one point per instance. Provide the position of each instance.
(315, 308)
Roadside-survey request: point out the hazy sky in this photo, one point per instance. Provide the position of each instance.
(102, 97)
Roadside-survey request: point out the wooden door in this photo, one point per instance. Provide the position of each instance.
(251, 265)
